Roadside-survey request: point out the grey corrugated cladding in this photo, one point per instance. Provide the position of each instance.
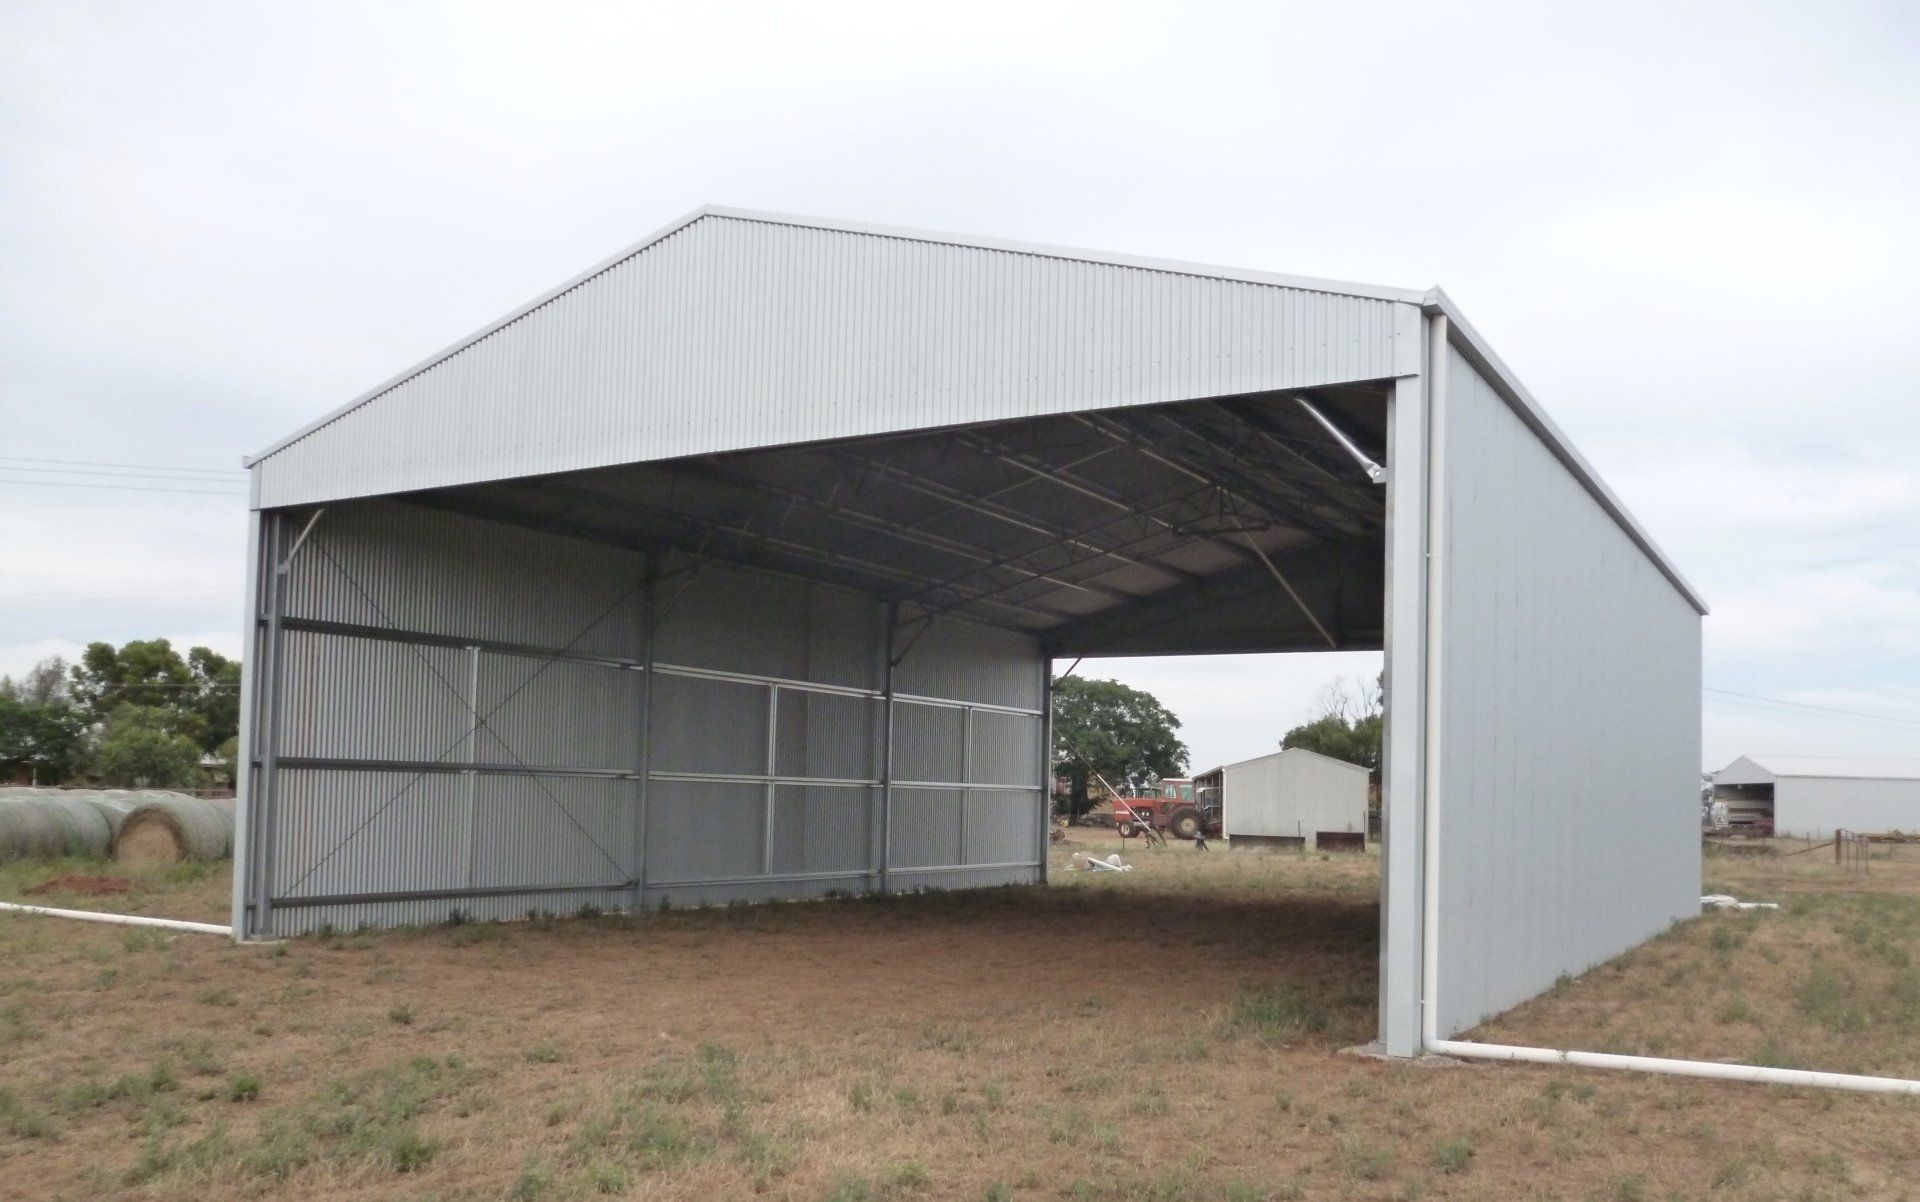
(1568, 735)
(394, 741)
(730, 332)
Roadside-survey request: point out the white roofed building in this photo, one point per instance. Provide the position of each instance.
(1815, 796)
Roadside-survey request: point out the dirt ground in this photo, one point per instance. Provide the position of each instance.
(1166, 1034)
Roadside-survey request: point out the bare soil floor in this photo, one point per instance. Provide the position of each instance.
(1165, 1034)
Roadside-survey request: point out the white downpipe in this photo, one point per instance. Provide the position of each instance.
(129, 920)
(1430, 1040)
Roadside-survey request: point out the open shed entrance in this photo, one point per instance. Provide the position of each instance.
(788, 672)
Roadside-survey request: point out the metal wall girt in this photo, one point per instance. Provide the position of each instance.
(376, 710)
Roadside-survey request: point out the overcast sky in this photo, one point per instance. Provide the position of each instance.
(1690, 228)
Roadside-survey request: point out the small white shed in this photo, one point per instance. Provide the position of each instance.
(1812, 797)
(1292, 798)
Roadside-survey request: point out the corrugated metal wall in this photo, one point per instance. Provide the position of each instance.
(1291, 794)
(422, 750)
(1567, 749)
(1814, 807)
(733, 333)
(411, 690)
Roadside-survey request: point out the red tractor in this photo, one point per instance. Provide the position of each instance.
(1168, 806)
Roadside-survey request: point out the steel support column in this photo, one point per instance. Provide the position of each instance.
(265, 802)
(1045, 833)
(885, 841)
(643, 760)
(246, 776)
(1403, 760)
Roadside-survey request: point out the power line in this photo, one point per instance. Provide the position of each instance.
(197, 492)
(157, 467)
(1820, 709)
(114, 473)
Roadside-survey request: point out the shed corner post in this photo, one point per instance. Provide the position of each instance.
(257, 754)
(1404, 745)
(243, 773)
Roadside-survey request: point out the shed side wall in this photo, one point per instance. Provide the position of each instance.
(1568, 747)
(1815, 807)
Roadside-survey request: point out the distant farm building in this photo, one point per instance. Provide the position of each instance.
(1292, 798)
(1808, 796)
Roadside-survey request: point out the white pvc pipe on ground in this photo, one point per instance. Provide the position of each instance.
(1430, 1040)
(130, 920)
(1704, 1069)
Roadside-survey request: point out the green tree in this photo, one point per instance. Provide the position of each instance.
(198, 697)
(139, 749)
(1346, 724)
(1121, 733)
(42, 735)
(42, 744)
(216, 696)
(147, 673)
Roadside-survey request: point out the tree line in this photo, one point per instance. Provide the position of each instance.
(136, 716)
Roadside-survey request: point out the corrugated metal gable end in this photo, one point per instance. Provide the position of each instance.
(733, 332)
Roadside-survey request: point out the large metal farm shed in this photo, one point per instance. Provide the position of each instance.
(733, 569)
(1814, 796)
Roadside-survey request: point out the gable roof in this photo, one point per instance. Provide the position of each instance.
(1831, 768)
(732, 330)
(1295, 751)
(1009, 246)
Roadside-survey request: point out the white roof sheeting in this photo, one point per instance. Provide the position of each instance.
(1760, 769)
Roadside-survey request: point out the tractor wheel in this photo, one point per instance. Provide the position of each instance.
(1185, 825)
(1129, 831)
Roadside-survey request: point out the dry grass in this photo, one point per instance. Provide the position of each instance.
(195, 890)
(1830, 981)
(1162, 1035)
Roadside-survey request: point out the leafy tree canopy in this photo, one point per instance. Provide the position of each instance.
(140, 750)
(1346, 724)
(1118, 732)
(44, 744)
(199, 695)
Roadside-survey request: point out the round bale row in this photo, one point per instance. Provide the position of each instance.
(135, 826)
